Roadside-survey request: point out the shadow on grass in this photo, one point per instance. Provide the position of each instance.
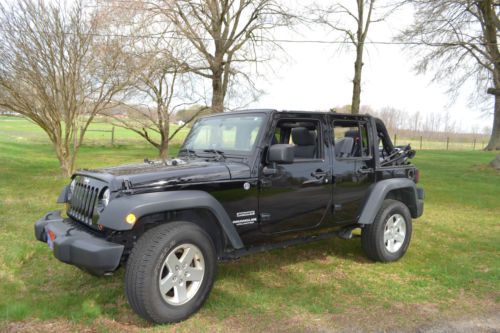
(247, 286)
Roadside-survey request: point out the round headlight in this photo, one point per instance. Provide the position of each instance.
(71, 188)
(105, 197)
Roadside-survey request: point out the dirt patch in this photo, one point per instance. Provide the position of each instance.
(37, 326)
(465, 314)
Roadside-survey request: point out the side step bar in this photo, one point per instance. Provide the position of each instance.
(236, 254)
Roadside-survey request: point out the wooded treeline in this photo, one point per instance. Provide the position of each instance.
(62, 64)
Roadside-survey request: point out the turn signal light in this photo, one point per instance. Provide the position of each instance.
(52, 235)
(131, 218)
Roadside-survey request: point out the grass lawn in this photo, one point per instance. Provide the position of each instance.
(452, 268)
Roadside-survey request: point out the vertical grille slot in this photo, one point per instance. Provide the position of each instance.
(84, 199)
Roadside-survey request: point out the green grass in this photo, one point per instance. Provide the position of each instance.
(23, 131)
(452, 267)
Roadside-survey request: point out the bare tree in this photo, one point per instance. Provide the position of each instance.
(414, 122)
(392, 117)
(57, 70)
(162, 90)
(226, 35)
(353, 22)
(162, 82)
(458, 40)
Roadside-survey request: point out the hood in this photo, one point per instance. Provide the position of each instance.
(173, 172)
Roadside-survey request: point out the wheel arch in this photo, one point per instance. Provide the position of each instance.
(401, 189)
(201, 217)
(198, 207)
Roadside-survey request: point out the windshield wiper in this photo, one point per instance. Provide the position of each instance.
(189, 152)
(218, 153)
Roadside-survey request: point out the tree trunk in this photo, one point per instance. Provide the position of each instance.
(164, 149)
(218, 92)
(356, 88)
(490, 31)
(65, 160)
(165, 140)
(494, 143)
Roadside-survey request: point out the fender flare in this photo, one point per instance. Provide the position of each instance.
(63, 196)
(379, 193)
(114, 214)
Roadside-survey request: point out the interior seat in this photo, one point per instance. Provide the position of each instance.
(343, 147)
(305, 142)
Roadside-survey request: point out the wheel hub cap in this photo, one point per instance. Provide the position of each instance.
(181, 274)
(394, 233)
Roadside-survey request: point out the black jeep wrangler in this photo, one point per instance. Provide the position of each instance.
(243, 182)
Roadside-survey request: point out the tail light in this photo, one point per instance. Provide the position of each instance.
(417, 176)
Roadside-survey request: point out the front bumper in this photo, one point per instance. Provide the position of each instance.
(75, 245)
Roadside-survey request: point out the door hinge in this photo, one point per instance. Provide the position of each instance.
(265, 216)
(265, 183)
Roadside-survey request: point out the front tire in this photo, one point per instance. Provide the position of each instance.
(170, 272)
(388, 238)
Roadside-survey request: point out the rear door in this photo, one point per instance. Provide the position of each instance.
(353, 167)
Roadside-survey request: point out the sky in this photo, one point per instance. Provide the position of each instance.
(318, 77)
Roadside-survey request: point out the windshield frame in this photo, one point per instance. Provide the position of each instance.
(228, 153)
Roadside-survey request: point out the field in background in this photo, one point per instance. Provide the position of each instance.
(22, 130)
(452, 269)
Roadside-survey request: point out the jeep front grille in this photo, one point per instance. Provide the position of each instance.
(84, 198)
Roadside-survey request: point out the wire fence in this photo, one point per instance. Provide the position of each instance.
(442, 143)
(101, 133)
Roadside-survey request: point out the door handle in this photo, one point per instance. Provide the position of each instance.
(319, 174)
(364, 171)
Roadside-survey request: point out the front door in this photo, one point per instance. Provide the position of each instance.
(298, 195)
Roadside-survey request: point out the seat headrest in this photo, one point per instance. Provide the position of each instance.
(301, 136)
(352, 134)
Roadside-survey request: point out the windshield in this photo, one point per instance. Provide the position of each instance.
(229, 134)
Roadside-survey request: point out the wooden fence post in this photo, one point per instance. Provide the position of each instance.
(474, 144)
(112, 136)
(447, 143)
(395, 138)
(420, 142)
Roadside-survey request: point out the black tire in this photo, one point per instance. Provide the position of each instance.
(372, 236)
(146, 263)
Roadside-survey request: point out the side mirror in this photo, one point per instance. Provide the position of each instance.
(281, 154)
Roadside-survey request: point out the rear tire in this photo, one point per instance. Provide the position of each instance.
(388, 237)
(170, 272)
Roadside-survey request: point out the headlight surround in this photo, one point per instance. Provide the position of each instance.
(106, 195)
(100, 205)
(71, 189)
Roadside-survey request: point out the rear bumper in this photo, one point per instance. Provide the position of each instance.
(79, 247)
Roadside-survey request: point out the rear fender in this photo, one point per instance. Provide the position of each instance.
(402, 189)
